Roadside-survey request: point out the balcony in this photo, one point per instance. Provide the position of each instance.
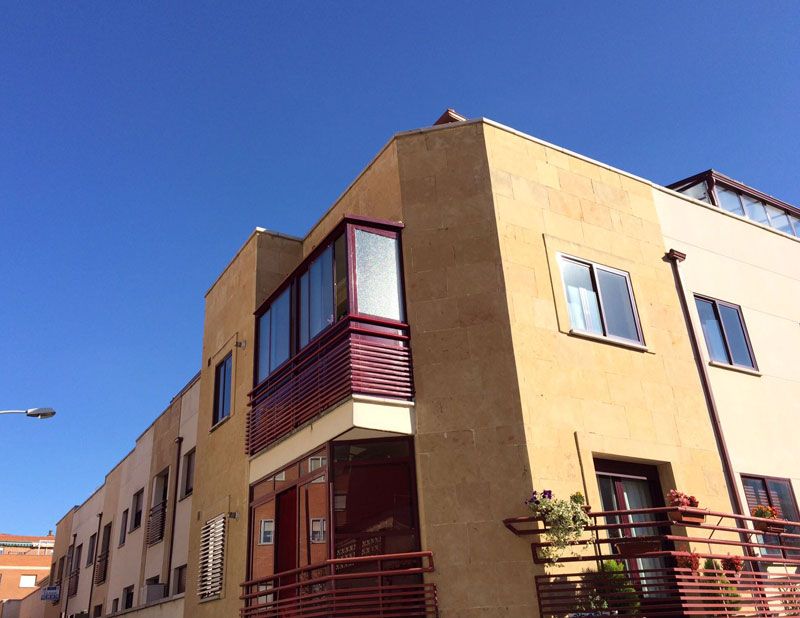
(663, 568)
(357, 355)
(101, 568)
(386, 585)
(155, 523)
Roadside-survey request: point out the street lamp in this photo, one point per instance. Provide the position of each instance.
(32, 412)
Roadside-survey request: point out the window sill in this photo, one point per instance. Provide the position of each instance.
(739, 368)
(184, 496)
(219, 424)
(622, 343)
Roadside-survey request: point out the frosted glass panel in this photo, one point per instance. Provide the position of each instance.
(584, 310)
(378, 275)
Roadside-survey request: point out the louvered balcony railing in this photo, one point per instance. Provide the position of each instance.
(386, 585)
(358, 355)
(101, 568)
(657, 566)
(155, 523)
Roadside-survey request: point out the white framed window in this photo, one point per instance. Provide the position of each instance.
(600, 300)
(267, 532)
(317, 462)
(317, 530)
(212, 557)
(281, 476)
(27, 581)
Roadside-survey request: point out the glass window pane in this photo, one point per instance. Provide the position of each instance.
(735, 335)
(698, 191)
(279, 330)
(378, 275)
(795, 224)
(321, 292)
(304, 309)
(755, 210)
(712, 331)
(584, 310)
(340, 259)
(729, 200)
(779, 219)
(617, 305)
(263, 345)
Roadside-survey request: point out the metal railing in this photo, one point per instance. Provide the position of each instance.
(155, 523)
(357, 355)
(670, 562)
(389, 585)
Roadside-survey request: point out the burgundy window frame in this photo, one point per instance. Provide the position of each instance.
(795, 550)
(347, 227)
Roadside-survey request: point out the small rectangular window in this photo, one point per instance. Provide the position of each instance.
(317, 462)
(98, 611)
(222, 390)
(127, 597)
(724, 332)
(317, 530)
(137, 506)
(379, 287)
(600, 300)
(267, 536)
(188, 473)
(123, 530)
(90, 550)
(180, 580)
(27, 581)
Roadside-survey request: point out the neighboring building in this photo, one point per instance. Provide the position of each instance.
(24, 563)
(741, 278)
(549, 350)
(125, 547)
(29, 606)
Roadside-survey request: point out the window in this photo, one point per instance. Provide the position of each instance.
(600, 300)
(114, 606)
(136, 507)
(378, 279)
(98, 611)
(27, 581)
(316, 296)
(123, 529)
(90, 550)
(729, 200)
(127, 597)
(316, 462)
(724, 332)
(222, 390)
(180, 580)
(76, 563)
(212, 557)
(267, 536)
(188, 473)
(777, 493)
(317, 530)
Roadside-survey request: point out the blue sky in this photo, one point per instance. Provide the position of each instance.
(140, 143)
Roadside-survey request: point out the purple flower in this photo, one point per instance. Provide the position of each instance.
(547, 494)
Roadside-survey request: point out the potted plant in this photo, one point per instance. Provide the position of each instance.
(768, 521)
(716, 584)
(686, 511)
(733, 564)
(607, 592)
(580, 500)
(564, 521)
(689, 561)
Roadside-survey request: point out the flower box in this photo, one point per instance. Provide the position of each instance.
(633, 547)
(770, 526)
(688, 516)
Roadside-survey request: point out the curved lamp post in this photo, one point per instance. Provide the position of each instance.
(33, 412)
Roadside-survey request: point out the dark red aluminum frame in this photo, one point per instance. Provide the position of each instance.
(715, 302)
(345, 226)
(765, 478)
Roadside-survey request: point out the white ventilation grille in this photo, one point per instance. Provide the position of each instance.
(212, 557)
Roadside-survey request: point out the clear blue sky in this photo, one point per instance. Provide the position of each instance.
(140, 143)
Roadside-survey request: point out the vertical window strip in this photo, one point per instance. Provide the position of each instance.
(212, 557)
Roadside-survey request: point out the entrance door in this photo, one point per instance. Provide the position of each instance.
(626, 486)
(286, 539)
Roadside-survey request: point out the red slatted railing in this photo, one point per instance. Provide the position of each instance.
(389, 585)
(355, 356)
(643, 568)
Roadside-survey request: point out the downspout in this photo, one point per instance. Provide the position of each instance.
(94, 560)
(675, 257)
(179, 442)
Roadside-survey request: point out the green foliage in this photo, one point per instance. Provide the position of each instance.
(565, 521)
(731, 599)
(609, 589)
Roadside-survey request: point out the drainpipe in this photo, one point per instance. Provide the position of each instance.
(94, 560)
(179, 443)
(675, 257)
